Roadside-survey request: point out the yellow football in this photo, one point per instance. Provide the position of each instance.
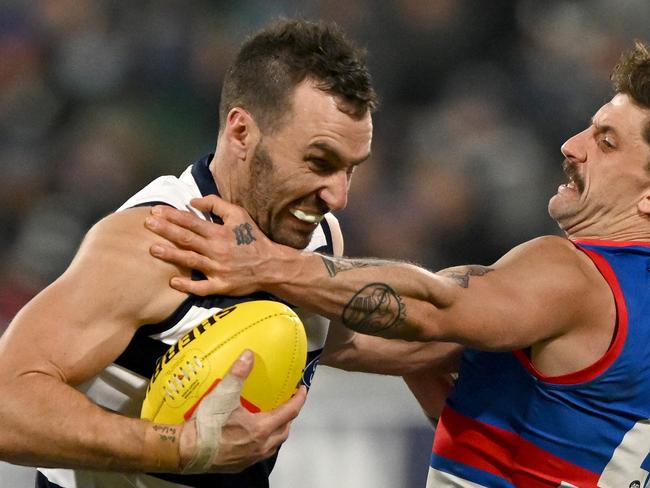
(193, 366)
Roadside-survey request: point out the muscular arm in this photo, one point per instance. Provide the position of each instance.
(369, 354)
(66, 335)
(74, 329)
(535, 294)
(514, 303)
(348, 350)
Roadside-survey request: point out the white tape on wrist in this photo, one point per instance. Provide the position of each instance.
(210, 416)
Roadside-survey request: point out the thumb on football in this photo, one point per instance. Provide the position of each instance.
(213, 412)
(242, 366)
(225, 397)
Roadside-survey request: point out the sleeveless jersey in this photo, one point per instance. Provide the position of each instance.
(121, 387)
(507, 425)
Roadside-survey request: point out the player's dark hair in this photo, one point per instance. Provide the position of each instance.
(632, 76)
(273, 61)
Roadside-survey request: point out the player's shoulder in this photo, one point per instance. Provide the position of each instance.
(123, 238)
(545, 250)
(115, 253)
(126, 226)
(554, 258)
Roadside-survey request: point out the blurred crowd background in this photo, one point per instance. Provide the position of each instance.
(97, 97)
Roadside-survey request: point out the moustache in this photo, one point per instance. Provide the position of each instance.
(571, 170)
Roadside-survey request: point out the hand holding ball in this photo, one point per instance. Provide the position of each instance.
(199, 360)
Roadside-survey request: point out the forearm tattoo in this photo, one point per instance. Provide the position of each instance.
(462, 274)
(244, 234)
(166, 432)
(336, 265)
(374, 308)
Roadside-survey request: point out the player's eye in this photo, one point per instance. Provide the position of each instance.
(319, 164)
(606, 142)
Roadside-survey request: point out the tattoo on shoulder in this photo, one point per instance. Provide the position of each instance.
(374, 308)
(336, 265)
(244, 234)
(461, 274)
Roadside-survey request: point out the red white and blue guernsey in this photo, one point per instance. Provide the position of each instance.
(506, 425)
(121, 387)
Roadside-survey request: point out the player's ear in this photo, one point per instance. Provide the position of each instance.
(241, 132)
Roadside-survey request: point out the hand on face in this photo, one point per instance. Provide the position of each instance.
(229, 255)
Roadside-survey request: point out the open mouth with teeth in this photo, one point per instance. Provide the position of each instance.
(310, 218)
(575, 181)
(571, 185)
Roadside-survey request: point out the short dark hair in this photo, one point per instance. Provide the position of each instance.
(632, 76)
(272, 62)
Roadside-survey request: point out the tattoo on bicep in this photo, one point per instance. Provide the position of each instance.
(336, 265)
(374, 308)
(244, 234)
(462, 274)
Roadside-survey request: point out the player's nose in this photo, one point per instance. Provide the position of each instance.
(334, 191)
(575, 148)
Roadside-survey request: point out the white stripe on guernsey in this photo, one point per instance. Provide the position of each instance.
(117, 389)
(316, 328)
(625, 465)
(192, 317)
(88, 479)
(318, 239)
(169, 189)
(440, 479)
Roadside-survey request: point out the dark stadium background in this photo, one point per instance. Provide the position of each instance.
(98, 96)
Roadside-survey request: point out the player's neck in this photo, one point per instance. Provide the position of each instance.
(223, 177)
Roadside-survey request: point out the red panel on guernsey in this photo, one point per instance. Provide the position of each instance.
(489, 448)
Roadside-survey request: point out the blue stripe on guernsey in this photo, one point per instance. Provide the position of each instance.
(646, 463)
(524, 403)
(468, 473)
(595, 419)
(203, 176)
(310, 369)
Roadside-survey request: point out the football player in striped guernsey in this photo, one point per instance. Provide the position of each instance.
(554, 384)
(295, 120)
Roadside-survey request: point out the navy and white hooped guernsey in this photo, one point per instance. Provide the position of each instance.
(121, 387)
(506, 425)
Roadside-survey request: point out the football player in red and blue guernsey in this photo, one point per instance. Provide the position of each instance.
(553, 388)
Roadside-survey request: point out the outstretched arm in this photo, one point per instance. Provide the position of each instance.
(426, 367)
(360, 352)
(534, 293)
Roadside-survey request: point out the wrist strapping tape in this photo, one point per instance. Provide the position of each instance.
(210, 416)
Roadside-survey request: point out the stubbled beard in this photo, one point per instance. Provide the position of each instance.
(260, 197)
(571, 170)
(262, 169)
